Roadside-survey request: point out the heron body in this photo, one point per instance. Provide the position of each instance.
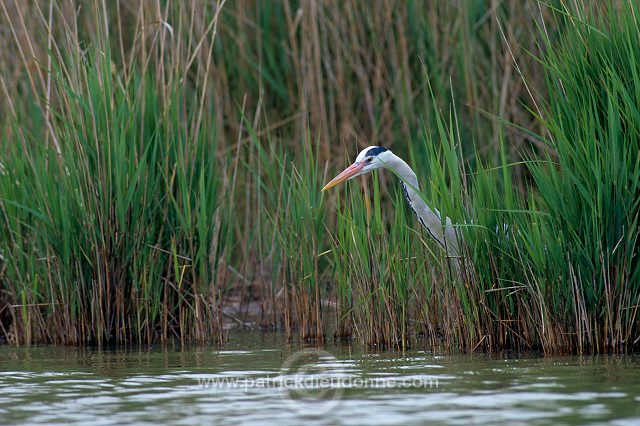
(375, 157)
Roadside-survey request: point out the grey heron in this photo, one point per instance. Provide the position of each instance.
(375, 157)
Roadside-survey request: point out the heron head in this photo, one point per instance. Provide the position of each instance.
(370, 158)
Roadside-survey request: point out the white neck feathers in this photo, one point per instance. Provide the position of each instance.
(443, 232)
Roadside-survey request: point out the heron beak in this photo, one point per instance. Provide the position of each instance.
(347, 174)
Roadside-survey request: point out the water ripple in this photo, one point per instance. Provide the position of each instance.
(250, 387)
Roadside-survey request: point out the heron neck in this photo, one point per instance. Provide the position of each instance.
(442, 232)
(403, 170)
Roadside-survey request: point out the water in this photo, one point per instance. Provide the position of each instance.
(258, 379)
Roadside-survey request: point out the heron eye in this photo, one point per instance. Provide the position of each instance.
(369, 160)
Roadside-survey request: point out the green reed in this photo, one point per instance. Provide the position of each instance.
(163, 164)
(118, 236)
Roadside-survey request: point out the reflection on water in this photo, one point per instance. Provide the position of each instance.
(259, 379)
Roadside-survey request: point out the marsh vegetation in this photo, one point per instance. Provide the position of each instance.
(161, 162)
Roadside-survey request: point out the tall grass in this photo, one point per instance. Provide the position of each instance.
(593, 194)
(162, 164)
(112, 225)
(115, 240)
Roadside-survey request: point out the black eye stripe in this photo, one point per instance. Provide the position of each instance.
(375, 151)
